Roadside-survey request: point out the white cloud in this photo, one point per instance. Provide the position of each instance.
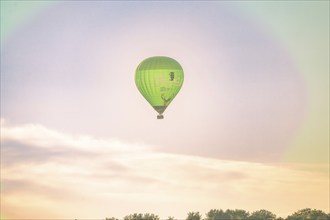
(74, 176)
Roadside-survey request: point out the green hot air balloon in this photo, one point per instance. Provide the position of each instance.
(159, 79)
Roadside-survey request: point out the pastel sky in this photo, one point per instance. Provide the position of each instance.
(249, 127)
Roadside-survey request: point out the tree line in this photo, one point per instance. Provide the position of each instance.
(237, 214)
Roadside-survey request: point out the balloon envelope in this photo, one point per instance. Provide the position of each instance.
(159, 79)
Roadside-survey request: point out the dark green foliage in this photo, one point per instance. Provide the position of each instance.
(216, 214)
(306, 214)
(237, 214)
(229, 214)
(262, 215)
(140, 216)
(194, 216)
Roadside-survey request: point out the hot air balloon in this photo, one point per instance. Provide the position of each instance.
(159, 79)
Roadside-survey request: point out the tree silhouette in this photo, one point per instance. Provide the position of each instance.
(262, 215)
(141, 216)
(229, 214)
(216, 214)
(194, 216)
(237, 214)
(309, 214)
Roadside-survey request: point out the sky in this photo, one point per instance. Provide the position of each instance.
(249, 127)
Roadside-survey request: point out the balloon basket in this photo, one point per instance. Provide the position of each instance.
(160, 116)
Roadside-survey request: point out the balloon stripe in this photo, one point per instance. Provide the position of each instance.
(145, 85)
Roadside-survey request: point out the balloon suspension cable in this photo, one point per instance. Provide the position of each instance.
(160, 116)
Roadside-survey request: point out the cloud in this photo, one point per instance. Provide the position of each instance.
(79, 176)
